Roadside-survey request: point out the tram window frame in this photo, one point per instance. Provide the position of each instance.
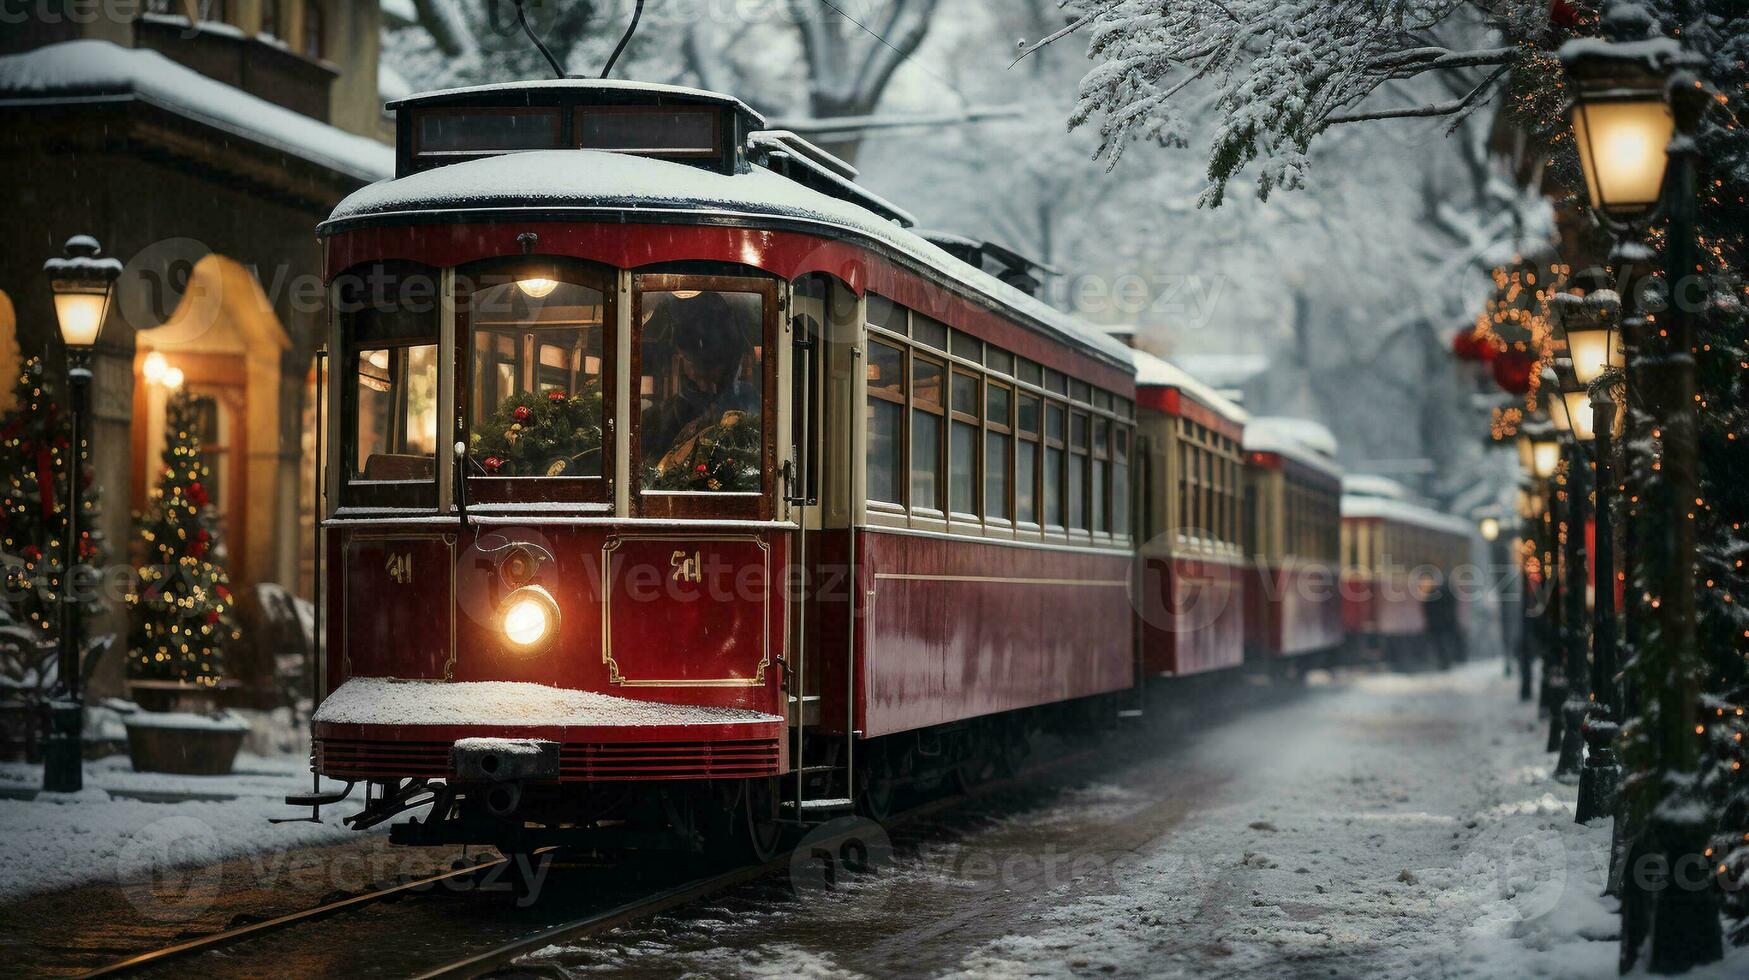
(1055, 440)
(935, 412)
(694, 152)
(422, 327)
(998, 432)
(427, 157)
(1028, 441)
(1122, 439)
(738, 505)
(901, 449)
(532, 489)
(1077, 507)
(970, 424)
(1099, 476)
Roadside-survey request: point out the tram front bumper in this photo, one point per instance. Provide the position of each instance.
(495, 760)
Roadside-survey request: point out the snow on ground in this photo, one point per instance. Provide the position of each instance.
(1377, 825)
(129, 826)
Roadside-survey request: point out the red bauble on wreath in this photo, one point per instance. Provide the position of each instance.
(1466, 346)
(1513, 370)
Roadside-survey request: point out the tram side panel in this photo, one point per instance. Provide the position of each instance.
(953, 629)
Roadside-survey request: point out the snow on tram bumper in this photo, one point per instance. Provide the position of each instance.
(374, 728)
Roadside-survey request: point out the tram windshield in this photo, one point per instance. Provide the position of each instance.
(701, 401)
(535, 384)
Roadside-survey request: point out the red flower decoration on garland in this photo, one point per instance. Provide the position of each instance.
(521, 413)
(492, 464)
(553, 396)
(701, 468)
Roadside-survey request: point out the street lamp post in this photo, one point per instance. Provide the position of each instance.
(1588, 323)
(82, 280)
(1575, 634)
(1636, 110)
(1540, 451)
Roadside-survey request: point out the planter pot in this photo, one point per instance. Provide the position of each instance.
(200, 699)
(184, 742)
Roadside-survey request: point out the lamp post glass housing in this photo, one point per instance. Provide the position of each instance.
(1622, 135)
(82, 283)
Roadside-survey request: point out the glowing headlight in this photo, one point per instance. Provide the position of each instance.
(531, 617)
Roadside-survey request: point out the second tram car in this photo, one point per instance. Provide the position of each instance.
(1399, 559)
(1190, 603)
(1293, 527)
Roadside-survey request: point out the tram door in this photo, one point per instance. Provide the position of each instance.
(824, 318)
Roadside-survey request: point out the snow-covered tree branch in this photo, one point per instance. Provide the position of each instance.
(1277, 74)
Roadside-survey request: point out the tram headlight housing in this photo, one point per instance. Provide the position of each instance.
(530, 619)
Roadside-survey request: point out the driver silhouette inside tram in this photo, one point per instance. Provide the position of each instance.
(710, 350)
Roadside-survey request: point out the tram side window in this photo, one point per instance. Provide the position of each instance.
(962, 474)
(886, 416)
(1120, 481)
(389, 335)
(1078, 472)
(998, 438)
(1053, 464)
(1026, 460)
(1101, 467)
(927, 377)
(535, 405)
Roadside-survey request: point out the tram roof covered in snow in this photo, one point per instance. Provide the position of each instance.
(1301, 440)
(1157, 372)
(1404, 512)
(476, 177)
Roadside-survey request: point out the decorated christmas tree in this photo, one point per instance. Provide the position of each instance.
(34, 459)
(182, 613)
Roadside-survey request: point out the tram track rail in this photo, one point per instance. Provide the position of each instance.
(228, 937)
(479, 962)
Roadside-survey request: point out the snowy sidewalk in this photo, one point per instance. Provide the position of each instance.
(1375, 825)
(131, 826)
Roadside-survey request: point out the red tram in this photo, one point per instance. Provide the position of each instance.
(1293, 495)
(1399, 563)
(676, 490)
(666, 462)
(1191, 604)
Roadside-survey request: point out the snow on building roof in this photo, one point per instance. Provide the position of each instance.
(388, 701)
(1373, 485)
(88, 71)
(1301, 440)
(1157, 372)
(545, 180)
(1405, 512)
(580, 84)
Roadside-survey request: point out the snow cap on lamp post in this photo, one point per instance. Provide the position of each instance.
(82, 282)
(1621, 122)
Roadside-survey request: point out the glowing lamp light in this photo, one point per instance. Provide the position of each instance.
(1490, 528)
(172, 378)
(1594, 349)
(82, 282)
(1622, 142)
(154, 367)
(531, 618)
(537, 287)
(1621, 122)
(1576, 407)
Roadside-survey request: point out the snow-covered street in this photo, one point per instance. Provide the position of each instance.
(1378, 825)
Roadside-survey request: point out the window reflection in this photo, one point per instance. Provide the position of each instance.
(700, 393)
(535, 390)
(397, 412)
